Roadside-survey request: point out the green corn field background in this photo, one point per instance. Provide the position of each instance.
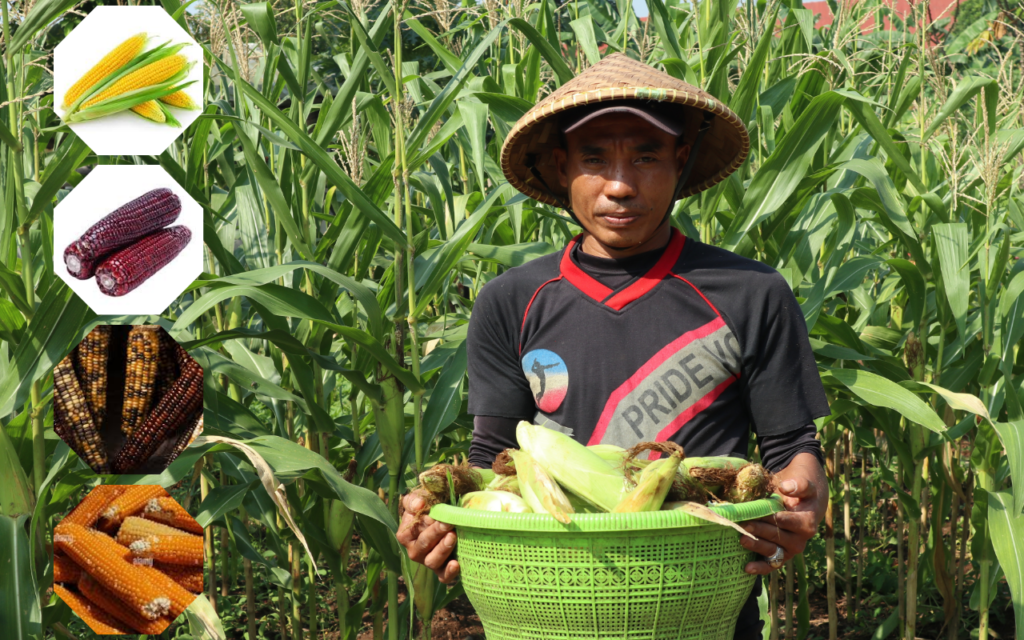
(354, 207)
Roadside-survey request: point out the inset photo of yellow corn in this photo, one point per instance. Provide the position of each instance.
(128, 399)
(128, 80)
(128, 559)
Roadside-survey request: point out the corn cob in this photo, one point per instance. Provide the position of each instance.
(136, 528)
(179, 598)
(123, 271)
(95, 503)
(131, 221)
(172, 514)
(140, 375)
(65, 569)
(179, 99)
(98, 620)
(177, 548)
(150, 110)
(101, 539)
(539, 489)
(100, 596)
(654, 484)
(147, 76)
(494, 501)
(121, 55)
(91, 358)
(132, 501)
(167, 370)
(184, 398)
(70, 404)
(194, 426)
(126, 581)
(753, 482)
(190, 578)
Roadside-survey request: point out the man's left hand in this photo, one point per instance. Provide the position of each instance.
(804, 490)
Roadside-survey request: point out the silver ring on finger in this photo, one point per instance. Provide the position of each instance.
(777, 559)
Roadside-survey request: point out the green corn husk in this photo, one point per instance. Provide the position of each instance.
(486, 477)
(753, 482)
(575, 467)
(706, 477)
(505, 483)
(540, 491)
(495, 501)
(652, 487)
(609, 452)
(158, 52)
(129, 99)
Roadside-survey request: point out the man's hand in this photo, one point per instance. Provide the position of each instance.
(428, 542)
(804, 490)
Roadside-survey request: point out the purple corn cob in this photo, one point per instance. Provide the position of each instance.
(151, 211)
(126, 269)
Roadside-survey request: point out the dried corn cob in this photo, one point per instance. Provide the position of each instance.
(126, 269)
(65, 569)
(190, 578)
(91, 365)
(126, 581)
(167, 370)
(178, 596)
(98, 620)
(169, 512)
(121, 55)
(184, 398)
(179, 99)
(132, 501)
(70, 404)
(177, 548)
(147, 76)
(100, 596)
(131, 221)
(150, 110)
(102, 539)
(140, 375)
(136, 528)
(95, 503)
(194, 426)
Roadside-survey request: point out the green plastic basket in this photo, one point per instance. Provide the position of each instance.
(658, 575)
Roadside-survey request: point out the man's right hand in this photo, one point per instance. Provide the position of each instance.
(428, 541)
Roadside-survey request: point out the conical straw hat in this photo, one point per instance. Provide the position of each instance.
(529, 165)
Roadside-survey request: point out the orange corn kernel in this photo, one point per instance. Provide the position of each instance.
(129, 503)
(65, 569)
(108, 602)
(93, 504)
(100, 621)
(184, 549)
(135, 528)
(179, 598)
(191, 578)
(169, 512)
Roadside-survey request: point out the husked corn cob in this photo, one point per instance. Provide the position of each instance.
(70, 404)
(93, 504)
(193, 426)
(150, 110)
(91, 358)
(178, 596)
(121, 55)
(190, 578)
(177, 548)
(147, 76)
(172, 514)
(108, 602)
(179, 99)
(65, 569)
(140, 375)
(101, 539)
(180, 402)
(167, 369)
(131, 221)
(126, 269)
(136, 528)
(129, 503)
(98, 620)
(126, 581)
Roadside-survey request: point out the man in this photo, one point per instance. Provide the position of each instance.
(634, 332)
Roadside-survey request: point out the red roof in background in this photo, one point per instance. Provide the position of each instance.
(937, 8)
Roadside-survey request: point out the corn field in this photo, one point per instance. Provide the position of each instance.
(346, 163)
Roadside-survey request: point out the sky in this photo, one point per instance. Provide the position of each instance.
(640, 7)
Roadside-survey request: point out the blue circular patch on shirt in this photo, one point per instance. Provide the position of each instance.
(548, 376)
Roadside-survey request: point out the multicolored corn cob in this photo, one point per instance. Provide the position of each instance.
(140, 375)
(65, 570)
(92, 505)
(179, 99)
(103, 598)
(121, 55)
(91, 357)
(178, 548)
(129, 503)
(179, 597)
(150, 110)
(190, 578)
(70, 405)
(167, 367)
(172, 514)
(193, 427)
(132, 221)
(169, 415)
(98, 620)
(136, 528)
(123, 271)
(147, 76)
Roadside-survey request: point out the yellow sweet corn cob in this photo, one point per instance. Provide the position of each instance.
(149, 75)
(126, 581)
(93, 504)
(172, 514)
(179, 597)
(98, 620)
(100, 596)
(132, 501)
(179, 99)
(135, 528)
(121, 55)
(179, 548)
(190, 578)
(540, 491)
(652, 487)
(91, 358)
(150, 110)
(76, 418)
(65, 570)
(140, 375)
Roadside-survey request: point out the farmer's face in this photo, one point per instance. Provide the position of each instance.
(621, 173)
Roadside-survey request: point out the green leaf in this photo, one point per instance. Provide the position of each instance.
(552, 55)
(913, 281)
(511, 255)
(474, 118)
(952, 243)
(1011, 434)
(658, 16)
(875, 173)
(219, 501)
(446, 398)
(742, 102)
(19, 608)
(584, 29)
(1007, 528)
(58, 174)
(964, 91)
(881, 392)
(260, 18)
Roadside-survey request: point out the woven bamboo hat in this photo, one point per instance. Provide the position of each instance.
(529, 165)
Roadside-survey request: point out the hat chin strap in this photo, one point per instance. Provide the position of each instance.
(691, 161)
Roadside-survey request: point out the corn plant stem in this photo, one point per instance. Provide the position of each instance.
(862, 525)
(250, 590)
(830, 539)
(773, 604)
(961, 564)
(847, 523)
(901, 597)
(788, 632)
(211, 578)
(296, 613)
(225, 586)
(393, 493)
